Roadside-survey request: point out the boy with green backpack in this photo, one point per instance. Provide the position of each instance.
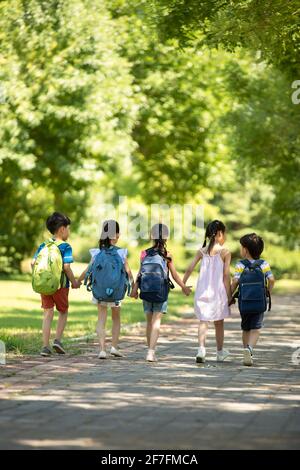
(51, 277)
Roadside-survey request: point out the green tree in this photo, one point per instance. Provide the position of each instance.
(271, 27)
(177, 151)
(263, 123)
(263, 129)
(67, 109)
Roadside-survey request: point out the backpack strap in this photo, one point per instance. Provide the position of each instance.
(246, 263)
(56, 242)
(258, 263)
(151, 251)
(270, 299)
(88, 278)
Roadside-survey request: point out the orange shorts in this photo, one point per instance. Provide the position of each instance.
(60, 299)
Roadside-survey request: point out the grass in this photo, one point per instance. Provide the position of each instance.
(21, 314)
(21, 317)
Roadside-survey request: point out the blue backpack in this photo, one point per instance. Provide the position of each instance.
(154, 282)
(252, 294)
(106, 276)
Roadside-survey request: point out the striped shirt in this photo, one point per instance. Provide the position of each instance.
(265, 267)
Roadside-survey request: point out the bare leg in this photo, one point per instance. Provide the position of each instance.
(156, 319)
(102, 316)
(47, 321)
(219, 329)
(203, 325)
(116, 325)
(149, 328)
(246, 336)
(253, 337)
(61, 323)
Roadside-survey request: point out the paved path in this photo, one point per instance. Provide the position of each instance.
(80, 402)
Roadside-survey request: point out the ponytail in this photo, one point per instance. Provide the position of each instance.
(159, 234)
(161, 246)
(110, 229)
(211, 232)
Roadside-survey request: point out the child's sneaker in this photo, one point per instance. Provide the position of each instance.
(45, 352)
(102, 355)
(115, 352)
(58, 347)
(221, 355)
(151, 356)
(200, 358)
(248, 356)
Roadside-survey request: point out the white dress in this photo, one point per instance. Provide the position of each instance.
(211, 301)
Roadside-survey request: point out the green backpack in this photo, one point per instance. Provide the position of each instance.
(47, 275)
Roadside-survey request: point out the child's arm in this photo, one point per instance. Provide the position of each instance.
(82, 275)
(34, 258)
(192, 266)
(135, 287)
(68, 271)
(226, 273)
(239, 268)
(234, 284)
(130, 277)
(128, 270)
(271, 282)
(185, 289)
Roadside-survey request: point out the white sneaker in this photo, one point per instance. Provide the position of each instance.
(151, 356)
(115, 352)
(248, 359)
(200, 358)
(221, 355)
(102, 355)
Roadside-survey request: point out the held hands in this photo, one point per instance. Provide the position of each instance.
(76, 284)
(186, 290)
(134, 293)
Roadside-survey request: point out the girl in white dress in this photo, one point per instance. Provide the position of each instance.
(213, 291)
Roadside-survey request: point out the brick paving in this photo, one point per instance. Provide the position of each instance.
(80, 402)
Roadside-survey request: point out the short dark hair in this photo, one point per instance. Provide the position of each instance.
(254, 244)
(57, 220)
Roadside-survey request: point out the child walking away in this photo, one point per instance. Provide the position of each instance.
(213, 287)
(51, 277)
(255, 280)
(108, 276)
(154, 284)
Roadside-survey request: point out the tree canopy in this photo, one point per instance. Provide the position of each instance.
(271, 27)
(163, 101)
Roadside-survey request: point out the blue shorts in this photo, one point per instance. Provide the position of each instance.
(155, 307)
(252, 321)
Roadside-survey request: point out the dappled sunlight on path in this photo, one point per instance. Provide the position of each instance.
(82, 402)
